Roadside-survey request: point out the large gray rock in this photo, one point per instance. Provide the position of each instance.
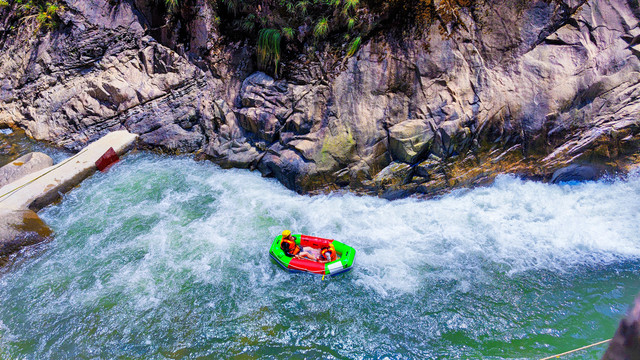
(394, 175)
(576, 172)
(625, 344)
(409, 139)
(20, 228)
(24, 165)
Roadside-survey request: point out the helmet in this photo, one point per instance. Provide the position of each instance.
(286, 233)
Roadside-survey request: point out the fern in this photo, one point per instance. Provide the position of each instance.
(288, 33)
(268, 48)
(322, 28)
(171, 4)
(290, 6)
(354, 46)
(232, 6)
(350, 4)
(303, 5)
(249, 23)
(351, 23)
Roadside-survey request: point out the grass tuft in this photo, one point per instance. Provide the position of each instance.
(268, 49)
(354, 46)
(322, 28)
(288, 33)
(349, 5)
(171, 5)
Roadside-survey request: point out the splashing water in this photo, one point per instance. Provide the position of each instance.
(167, 258)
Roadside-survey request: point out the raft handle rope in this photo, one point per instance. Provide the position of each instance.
(578, 349)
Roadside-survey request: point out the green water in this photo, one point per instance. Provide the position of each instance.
(167, 258)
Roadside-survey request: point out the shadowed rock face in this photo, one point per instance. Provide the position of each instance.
(524, 87)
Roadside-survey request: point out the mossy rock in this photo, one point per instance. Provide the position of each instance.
(19, 228)
(336, 151)
(394, 175)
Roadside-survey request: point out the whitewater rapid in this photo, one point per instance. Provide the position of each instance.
(167, 257)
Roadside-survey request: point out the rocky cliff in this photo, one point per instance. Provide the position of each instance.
(525, 87)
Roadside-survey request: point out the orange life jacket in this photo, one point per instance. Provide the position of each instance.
(328, 253)
(292, 249)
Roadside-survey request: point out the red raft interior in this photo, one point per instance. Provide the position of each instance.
(307, 264)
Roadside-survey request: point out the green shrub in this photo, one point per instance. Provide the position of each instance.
(46, 13)
(267, 21)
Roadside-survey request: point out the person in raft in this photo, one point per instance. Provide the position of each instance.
(289, 246)
(328, 253)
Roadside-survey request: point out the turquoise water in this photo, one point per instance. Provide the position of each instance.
(167, 258)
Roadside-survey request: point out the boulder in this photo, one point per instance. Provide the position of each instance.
(410, 139)
(393, 176)
(285, 165)
(625, 344)
(427, 167)
(233, 153)
(337, 151)
(577, 172)
(19, 228)
(24, 165)
(451, 138)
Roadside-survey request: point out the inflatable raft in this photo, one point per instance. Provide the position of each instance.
(344, 261)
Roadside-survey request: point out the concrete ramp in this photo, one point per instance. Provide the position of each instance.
(41, 188)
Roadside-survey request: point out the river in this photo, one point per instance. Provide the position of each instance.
(167, 258)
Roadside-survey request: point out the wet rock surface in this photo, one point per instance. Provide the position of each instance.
(20, 228)
(577, 172)
(625, 344)
(528, 89)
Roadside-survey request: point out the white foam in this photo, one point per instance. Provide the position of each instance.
(513, 225)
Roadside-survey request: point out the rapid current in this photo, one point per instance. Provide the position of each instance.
(167, 258)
